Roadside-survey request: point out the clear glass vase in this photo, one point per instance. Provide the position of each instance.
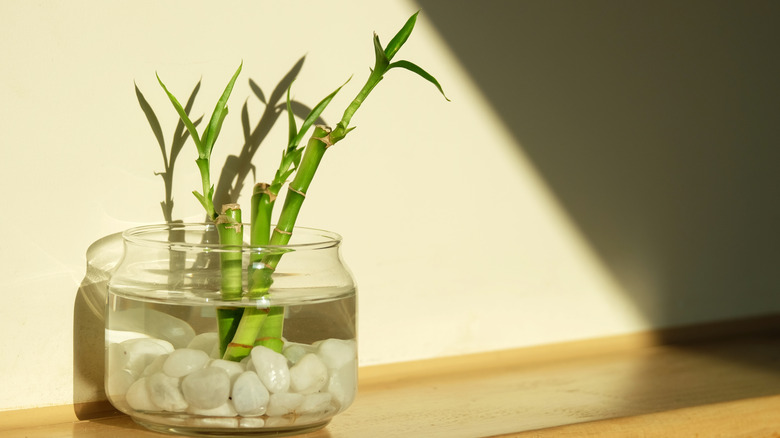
(169, 326)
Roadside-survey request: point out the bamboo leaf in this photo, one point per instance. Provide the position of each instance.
(381, 62)
(200, 197)
(180, 135)
(302, 111)
(218, 116)
(400, 38)
(416, 69)
(183, 116)
(293, 129)
(295, 156)
(313, 116)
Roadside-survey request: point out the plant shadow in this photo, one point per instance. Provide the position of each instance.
(104, 254)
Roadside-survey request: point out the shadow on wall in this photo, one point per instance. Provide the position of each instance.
(656, 125)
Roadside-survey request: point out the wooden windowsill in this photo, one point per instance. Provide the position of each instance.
(717, 380)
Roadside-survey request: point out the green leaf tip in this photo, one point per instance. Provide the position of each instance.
(182, 114)
(218, 116)
(400, 38)
(407, 65)
(381, 62)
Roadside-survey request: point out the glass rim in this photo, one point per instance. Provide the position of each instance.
(140, 235)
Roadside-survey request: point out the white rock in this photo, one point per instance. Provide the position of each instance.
(139, 397)
(247, 363)
(224, 410)
(184, 361)
(283, 421)
(233, 369)
(164, 392)
(136, 354)
(251, 423)
(214, 353)
(315, 403)
(155, 366)
(250, 397)
(343, 384)
(205, 342)
(214, 422)
(337, 352)
(309, 375)
(294, 352)
(206, 388)
(283, 403)
(272, 369)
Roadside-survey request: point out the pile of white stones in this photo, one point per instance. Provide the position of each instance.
(150, 375)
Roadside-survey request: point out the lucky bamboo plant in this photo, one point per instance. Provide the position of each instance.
(240, 329)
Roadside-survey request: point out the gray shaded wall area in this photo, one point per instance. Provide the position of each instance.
(657, 126)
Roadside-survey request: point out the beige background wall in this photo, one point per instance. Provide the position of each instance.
(603, 168)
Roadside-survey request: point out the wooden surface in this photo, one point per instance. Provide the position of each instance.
(716, 381)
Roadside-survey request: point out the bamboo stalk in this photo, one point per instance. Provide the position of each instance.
(230, 232)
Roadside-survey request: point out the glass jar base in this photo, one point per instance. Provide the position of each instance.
(238, 430)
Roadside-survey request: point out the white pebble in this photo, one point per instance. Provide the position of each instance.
(184, 361)
(139, 398)
(155, 366)
(204, 342)
(337, 352)
(214, 422)
(247, 363)
(206, 388)
(136, 354)
(283, 403)
(233, 369)
(283, 421)
(343, 384)
(224, 410)
(164, 392)
(272, 369)
(251, 423)
(309, 375)
(315, 403)
(250, 397)
(294, 352)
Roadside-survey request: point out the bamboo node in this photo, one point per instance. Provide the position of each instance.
(265, 189)
(226, 207)
(325, 139)
(237, 345)
(228, 222)
(282, 231)
(296, 191)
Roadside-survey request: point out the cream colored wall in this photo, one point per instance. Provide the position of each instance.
(458, 242)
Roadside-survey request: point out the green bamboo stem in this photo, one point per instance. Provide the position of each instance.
(262, 205)
(230, 233)
(264, 326)
(270, 334)
(246, 334)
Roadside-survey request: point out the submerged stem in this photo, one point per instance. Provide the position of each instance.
(230, 233)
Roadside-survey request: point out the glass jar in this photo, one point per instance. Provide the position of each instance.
(177, 355)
